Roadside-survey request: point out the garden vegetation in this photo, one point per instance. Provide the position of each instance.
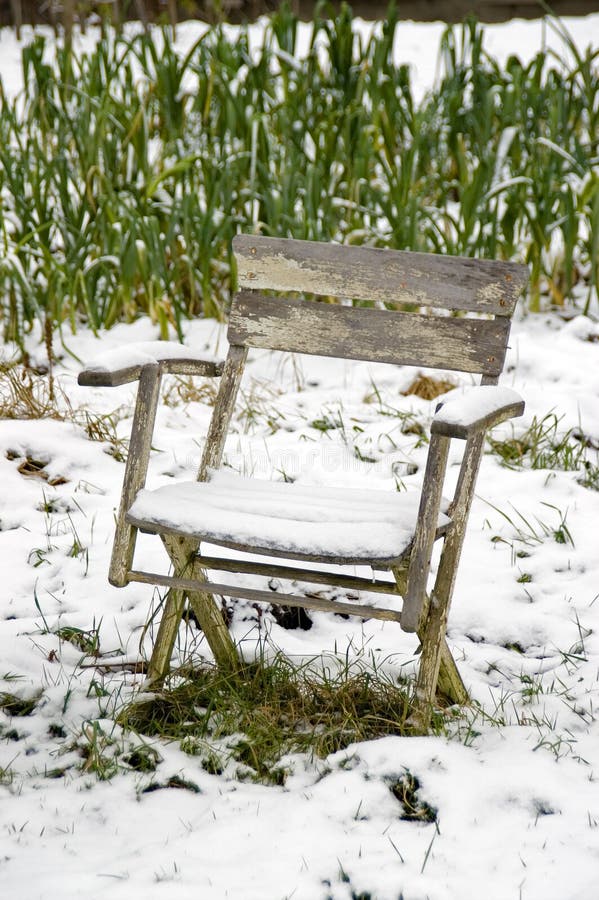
(126, 171)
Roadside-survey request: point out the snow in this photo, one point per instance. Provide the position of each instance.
(516, 790)
(142, 353)
(514, 781)
(346, 525)
(467, 407)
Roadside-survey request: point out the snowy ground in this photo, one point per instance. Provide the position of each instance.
(515, 788)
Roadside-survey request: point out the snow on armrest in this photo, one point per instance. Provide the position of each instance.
(124, 364)
(476, 409)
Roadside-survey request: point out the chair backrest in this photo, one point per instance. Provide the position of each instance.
(424, 281)
(483, 292)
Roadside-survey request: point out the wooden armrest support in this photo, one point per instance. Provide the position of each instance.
(476, 410)
(466, 416)
(424, 536)
(125, 365)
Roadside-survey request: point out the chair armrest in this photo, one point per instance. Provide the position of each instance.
(125, 364)
(476, 410)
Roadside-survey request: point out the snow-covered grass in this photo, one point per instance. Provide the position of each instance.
(89, 807)
(506, 796)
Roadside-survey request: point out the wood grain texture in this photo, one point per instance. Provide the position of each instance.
(183, 554)
(164, 643)
(322, 329)
(177, 366)
(368, 273)
(510, 411)
(272, 570)
(450, 683)
(434, 627)
(136, 468)
(361, 610)
(424, 538)
(223, 410)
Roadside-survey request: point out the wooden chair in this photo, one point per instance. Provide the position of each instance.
(278, 519)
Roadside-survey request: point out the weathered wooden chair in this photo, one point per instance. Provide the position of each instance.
(393, 532)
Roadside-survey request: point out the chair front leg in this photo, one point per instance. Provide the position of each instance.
(449, 682)
(424, 536)
(136, 469)
(183, 555)
(435, 624)
(162, 651)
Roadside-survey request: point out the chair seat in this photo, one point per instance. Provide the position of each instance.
(331, 525)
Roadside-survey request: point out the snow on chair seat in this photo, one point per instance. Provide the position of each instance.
(331, 525)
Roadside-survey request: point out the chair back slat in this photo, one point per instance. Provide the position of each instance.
(388, 276)
(324, 329)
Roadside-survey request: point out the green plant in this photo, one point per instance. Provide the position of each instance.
(590, 476)
(126, 171)
(86, 641)
(106, 752)
(98, 751)
(543, 445)
(6, 775)
(530, 533)
(103, 428)
(18, 706)
(252, 718)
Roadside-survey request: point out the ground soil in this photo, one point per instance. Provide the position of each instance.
(27, 11)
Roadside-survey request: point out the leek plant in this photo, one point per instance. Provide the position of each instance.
(125, 172)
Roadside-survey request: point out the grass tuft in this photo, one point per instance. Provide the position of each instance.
(406, 789)
(175, 781)
(544, 445)
(86, 641)
(255, 717)
(18, 706)
(428, 388)
(103, 428)
(25, 394)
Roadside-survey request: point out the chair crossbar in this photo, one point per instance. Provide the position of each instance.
(362, 611)
(375, 585)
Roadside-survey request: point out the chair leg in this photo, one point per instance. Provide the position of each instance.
(449, 681)
(435, 622)
(211, 623)
(214, 626)
(182, 553)
(437, 667)
(162, 651)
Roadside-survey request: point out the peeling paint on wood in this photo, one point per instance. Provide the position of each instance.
(371, 273)
(322, 329)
